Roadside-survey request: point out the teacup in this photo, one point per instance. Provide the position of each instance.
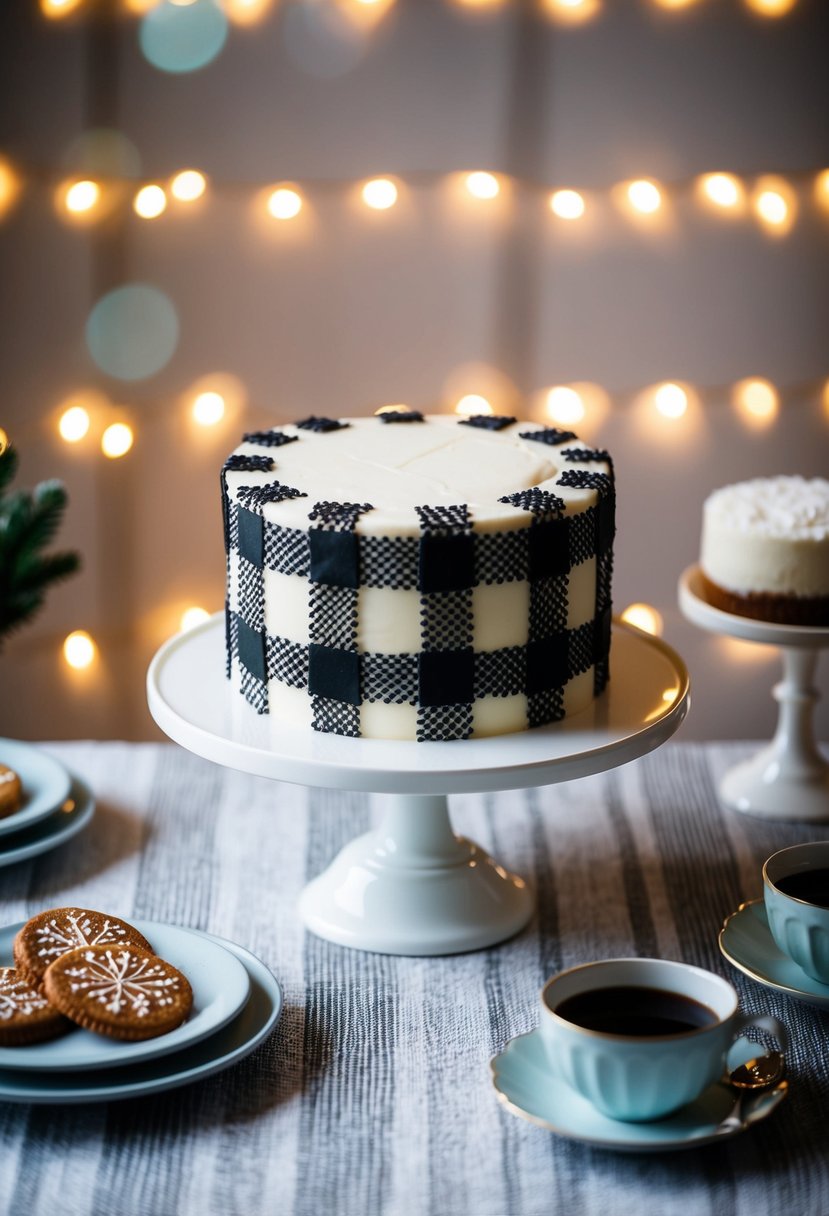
(796, 893)
(641, 1037)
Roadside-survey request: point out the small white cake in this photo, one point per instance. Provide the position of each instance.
(412, 577)
(765, 549)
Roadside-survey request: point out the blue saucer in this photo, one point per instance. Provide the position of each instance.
(71, 817)
(527, 1088)
(747, 943)
(44, 779)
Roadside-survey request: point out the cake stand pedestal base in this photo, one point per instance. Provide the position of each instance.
(412, 887)
(788, 779)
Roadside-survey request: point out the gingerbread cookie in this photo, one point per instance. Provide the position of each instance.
(47, 936)
(122, 991)
(25, 1014)
(11, 791)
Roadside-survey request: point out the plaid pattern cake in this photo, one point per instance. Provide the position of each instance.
(418, 577)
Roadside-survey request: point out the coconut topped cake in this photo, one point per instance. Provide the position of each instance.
(423, 577)
(765, 549)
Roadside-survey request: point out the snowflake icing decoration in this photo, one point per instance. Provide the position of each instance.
(123, 981)
(74, 930)
(17, 997)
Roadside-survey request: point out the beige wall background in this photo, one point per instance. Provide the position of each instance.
(345, 310)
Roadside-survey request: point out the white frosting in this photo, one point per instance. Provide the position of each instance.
(770, 535)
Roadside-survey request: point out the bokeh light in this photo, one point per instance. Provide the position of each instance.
(472, 404)
(644, 196)
(483, 185)
(392, 409)
(79, 649)
(9, 187)
(644, 617)
(59, 8)
(82, 196)
(4, 441)
(775, 204)
(188, 185)
(821, 188)
(380, 193)
(74, 423)
(150, 202)
(771, 8)
(722, 190)
(183, 38)
(132, 332)
(247, 12)
(194, 616)
(571, 11)
(567, 204)
(564, 405)
(117, 440)
(209, 408)
(671, 400)
(756, 400)
(284, 203)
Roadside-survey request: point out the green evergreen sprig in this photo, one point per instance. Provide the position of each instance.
(28, 522)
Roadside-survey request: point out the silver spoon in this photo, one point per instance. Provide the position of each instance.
(758, 1074)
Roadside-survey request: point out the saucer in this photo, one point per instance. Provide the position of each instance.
(73, 815)
(45, 783)
(222, 1049)
(220, 988)
(746, 941)
(526, 1087)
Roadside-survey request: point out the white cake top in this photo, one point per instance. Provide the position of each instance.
(397, 466)
(785, 507)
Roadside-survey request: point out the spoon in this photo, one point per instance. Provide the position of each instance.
(757, 1074)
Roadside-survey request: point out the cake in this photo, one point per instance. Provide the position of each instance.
(765, 550)
(418, 577)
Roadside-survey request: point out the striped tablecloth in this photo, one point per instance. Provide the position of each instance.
(373, 1095)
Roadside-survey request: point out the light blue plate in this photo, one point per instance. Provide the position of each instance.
(527, 1088)
(747, 943)
(45, 783)
(229, 1045)
(220, 988)
(74, 814)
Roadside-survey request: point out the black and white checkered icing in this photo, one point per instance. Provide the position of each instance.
(447, 678)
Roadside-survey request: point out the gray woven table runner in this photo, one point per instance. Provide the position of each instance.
(373, 1095)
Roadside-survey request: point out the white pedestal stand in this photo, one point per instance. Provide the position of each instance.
(411, 886)
(789, 779)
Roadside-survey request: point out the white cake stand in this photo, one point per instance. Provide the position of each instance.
(788, 779)
(411, 886)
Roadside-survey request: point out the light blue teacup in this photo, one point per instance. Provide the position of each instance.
(634, 1076)
(799, 927)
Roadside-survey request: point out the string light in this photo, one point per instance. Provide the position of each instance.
(564, 405)
(774, 204)
(59, 8)
(79, 649)
(571, 11)
(9, 187)
(194, 616)
(644, 617)
(209, 408)
(380, 193)
(771, 8)
(757, 400)
(4, 441)
(246, 12)
(644, 196)
(117, 440)
(150, 202)
(724, 190)
(483, 185)
(188, 185)
(473, 404)
(671, 400)
(567, 204)
(82, 196)
(74, 424)
(821, 189)
(284, 203)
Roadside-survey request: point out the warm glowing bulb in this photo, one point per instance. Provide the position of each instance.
(572, 10)
(9, 186)
(772, 207)
(194, 616)
(4, 441)
(245, 12)
(380, 194)
(567, 204)
(771, 8)
(79, 649)
(209, 408)
(473, 404)
(644, 617)
(149, 202)
(59, 8)
(757, 399)
(82, 196)
(482, 185)
(644, 196)
(392, 409)
(73, 424)
(824, 400)
(671, 400)
(116, 440)
(721, 189)
(821, 188)
(564, 404)
(284, 203)
(188, 185)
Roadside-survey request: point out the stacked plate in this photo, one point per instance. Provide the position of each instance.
(55, 805)
(236, 1004)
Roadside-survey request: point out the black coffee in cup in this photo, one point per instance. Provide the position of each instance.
(637, 1012)
(812, 886)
